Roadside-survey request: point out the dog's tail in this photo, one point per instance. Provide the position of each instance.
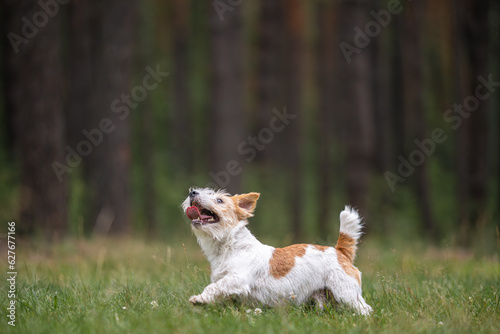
(350, 231)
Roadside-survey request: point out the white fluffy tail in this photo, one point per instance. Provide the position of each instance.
(350, 231)
(350, 223)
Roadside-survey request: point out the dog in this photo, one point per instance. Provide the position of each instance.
(243, 267)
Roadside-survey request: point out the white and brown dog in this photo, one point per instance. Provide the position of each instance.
(243, 267)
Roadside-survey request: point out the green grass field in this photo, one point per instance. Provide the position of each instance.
(127, 286)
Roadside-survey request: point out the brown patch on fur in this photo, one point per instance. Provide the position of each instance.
(321, 248)
(346, 251)
(348, 267)
(283, 259)
(347, 246)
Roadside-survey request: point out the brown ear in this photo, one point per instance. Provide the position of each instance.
(246, 204)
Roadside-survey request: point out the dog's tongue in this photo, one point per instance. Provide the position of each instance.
(193, 213)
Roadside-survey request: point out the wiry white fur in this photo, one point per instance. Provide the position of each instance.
(240, 265)
(350, 223)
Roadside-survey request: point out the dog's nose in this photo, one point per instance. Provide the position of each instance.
(193, 193)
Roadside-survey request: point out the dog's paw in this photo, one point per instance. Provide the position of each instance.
(196, 300)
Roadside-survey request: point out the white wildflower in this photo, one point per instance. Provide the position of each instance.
(124, 307)
(154, 304)
(257, 311)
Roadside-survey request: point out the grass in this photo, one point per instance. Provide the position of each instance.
(108, 287)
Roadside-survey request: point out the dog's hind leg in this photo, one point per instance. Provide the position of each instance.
(349, 293)
(319, 298)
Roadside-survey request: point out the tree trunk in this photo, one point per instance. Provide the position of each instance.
(383, 66)
(294, 79)
(269, 68)
(147, 127)
(416, 121)
(80, 69)
(183, 131)
(397, 102)
(80, 73)
(477, 38)
(35, 93)
(6, 115)
(325, 124)
(109, 166)
(227, 122)
(462, 144)
(472, 146)
(355, 103)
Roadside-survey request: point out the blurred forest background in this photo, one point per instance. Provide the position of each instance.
(111, 110)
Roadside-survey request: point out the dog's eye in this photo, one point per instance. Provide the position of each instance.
(220, 201)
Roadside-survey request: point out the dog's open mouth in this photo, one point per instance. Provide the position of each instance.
(200, 215)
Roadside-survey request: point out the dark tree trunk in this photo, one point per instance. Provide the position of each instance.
(294, 80)
(381, 86)
(146, 131)
(183, 131)
(472, 146)
(477, 38)
(83, 22)
(496, 102)
(35, 94)
(109, 167)
(80, 69)
(149, 170)
(355, 103)
(326, 85)
(269, 67)
(7, 113)
(412, 55)
(462, 148)
(226, 129)
(397, 102)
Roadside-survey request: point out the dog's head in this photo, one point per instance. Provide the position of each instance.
(215, 211)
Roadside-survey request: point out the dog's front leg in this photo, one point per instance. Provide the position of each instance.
(226, 286)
